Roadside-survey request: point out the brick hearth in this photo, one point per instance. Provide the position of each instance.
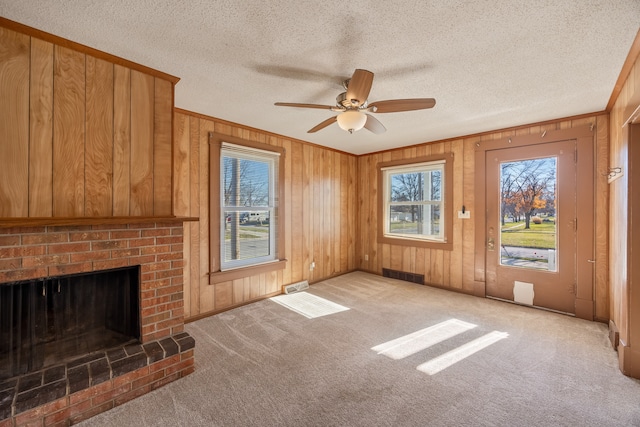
(121, 374)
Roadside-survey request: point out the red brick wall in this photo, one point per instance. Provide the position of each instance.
(30, 253)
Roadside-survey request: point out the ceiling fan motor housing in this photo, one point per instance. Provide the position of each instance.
(342, 101)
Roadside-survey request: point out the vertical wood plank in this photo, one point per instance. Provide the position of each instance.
(362, 246)
(396, 256)
(427, 265)
(68, 132)
(419, 264)
(345, 212)
(121, 140)
(354, 220)
(286, 207)
(181, 165)
(307, 202)
(408, 262)
(142, 121)
(199, 263)
(162, 152)
(41, 130)
(254, 291)
(207, 298)
(374, 193)
(327, 217)
(223, 295)
(297, 213)
(318, 223)
(455, 259)
(602, 297)
(98, 172)
(273, 283)
(336, 209)
(14, 123)
(181, 193)
(468, 227)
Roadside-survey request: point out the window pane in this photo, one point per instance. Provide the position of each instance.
(416, 186)
(245, 182)
(418, 220)
(528, 236)
(246, 235)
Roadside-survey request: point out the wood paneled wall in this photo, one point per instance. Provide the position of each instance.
(320, 210)
(624, 310)
(455, 269)
(80, 134)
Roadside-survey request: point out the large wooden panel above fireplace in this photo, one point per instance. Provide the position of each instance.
(84, 133)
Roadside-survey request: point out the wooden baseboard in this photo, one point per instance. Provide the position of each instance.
(629, 361)
(614, 335)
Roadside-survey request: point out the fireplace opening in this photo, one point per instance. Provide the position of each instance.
(46, 321)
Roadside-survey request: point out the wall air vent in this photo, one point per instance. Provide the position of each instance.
(403, 275)
(295, 287)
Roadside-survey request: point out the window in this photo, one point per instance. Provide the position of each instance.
(414, 209)
(248, 206)
(246, 194)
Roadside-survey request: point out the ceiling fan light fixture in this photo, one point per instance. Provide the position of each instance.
(351, 120)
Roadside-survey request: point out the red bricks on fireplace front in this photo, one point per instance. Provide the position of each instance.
(77, 389)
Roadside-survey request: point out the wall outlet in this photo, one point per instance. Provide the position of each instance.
(366, 257)
(312, 266)
(465, 215)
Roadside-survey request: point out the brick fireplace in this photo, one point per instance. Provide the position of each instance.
(76, 389)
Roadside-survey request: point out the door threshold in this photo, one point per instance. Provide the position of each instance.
(532, 306)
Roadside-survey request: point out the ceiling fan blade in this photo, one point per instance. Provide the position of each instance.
(398, 105)
(323, 125)
(374, 125)
(293, 104)
(359, 86)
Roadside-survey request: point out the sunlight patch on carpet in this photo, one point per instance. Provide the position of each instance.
(439, 363)
(407, 345)
(308, 305)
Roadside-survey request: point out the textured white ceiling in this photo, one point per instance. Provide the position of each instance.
(490, 64)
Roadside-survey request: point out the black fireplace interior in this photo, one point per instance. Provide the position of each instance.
(46, 321)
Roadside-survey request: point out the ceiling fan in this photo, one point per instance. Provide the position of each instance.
(353, 106)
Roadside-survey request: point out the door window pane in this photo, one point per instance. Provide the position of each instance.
(528, 214)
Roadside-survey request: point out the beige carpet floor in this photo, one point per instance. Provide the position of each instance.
(395, 354)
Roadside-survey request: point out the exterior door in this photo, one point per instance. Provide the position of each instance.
(531, 220)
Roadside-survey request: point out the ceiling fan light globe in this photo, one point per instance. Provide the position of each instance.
(352, 120)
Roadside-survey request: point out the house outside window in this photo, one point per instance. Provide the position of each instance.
(415, 202)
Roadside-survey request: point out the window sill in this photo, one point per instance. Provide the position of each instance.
(241, 273)
(430, 244)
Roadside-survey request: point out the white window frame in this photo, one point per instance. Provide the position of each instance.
(272, 159)
(423, 167)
